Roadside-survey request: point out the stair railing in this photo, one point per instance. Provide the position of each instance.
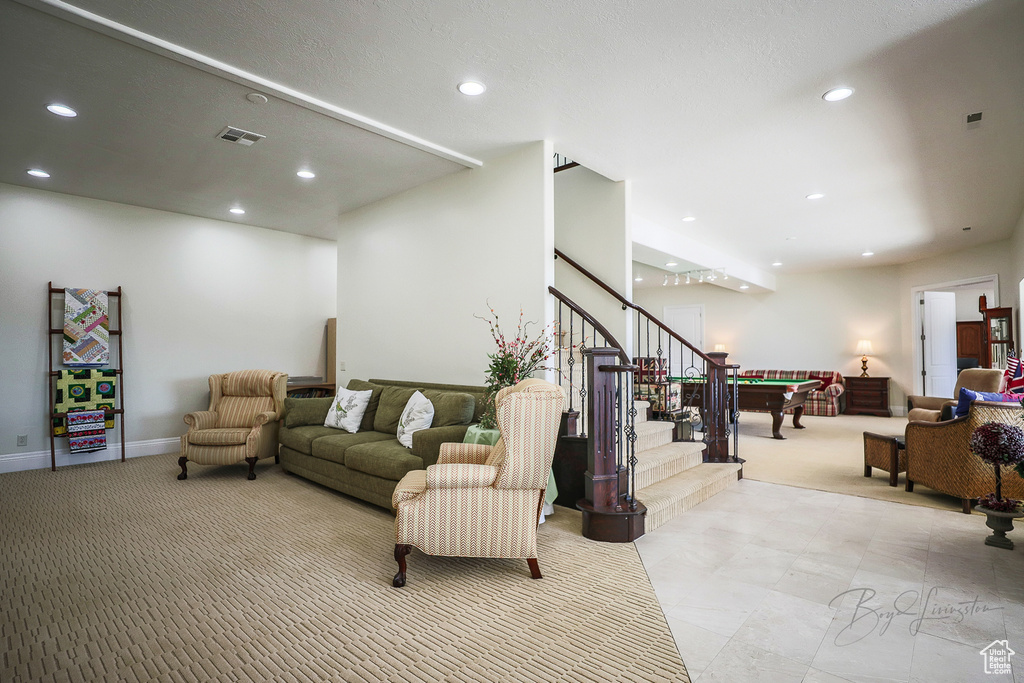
(681, 382)
(604, 386)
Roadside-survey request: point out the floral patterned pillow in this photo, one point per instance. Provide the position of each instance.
(418, 414)
(347, 410)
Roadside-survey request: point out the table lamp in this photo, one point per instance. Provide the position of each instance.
(720, 347)
(864, 349)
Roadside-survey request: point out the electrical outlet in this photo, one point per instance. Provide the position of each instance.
(22, 439)
(341, 366)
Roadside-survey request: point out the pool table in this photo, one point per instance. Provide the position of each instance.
(759, 395)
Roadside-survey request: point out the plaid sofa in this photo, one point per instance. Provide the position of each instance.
(829, 399)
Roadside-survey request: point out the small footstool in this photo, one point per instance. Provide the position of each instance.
(886, 452)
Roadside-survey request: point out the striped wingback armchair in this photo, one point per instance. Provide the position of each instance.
(484, 501)
(938, 456)
(241, 423)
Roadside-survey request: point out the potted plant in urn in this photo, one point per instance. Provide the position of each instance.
(999, 444)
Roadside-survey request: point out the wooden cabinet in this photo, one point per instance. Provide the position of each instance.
(998, 332)
(867, 396)
(970, 341)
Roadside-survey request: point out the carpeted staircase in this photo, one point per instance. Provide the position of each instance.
(670, 477)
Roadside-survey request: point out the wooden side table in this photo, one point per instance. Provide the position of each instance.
(867, 396)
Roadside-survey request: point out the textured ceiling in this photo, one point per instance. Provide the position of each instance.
(711, 109)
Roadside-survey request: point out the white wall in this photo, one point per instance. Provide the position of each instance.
(813, 321)
(200, 297)
(414, 269)
(592, 227)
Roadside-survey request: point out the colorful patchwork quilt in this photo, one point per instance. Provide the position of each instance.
(86, 328)
(86, 431)
(86, 389)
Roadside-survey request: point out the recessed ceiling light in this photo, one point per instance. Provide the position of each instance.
(689, 219)
(790, 239)
(868, 253)
(777, 263)
(306, 174)
(671, 264)
(237, 210)
(815, 195)
(744, 286)
(836, 94)
(62, 110)
(638, 279)
(472, 88)
(38, 173)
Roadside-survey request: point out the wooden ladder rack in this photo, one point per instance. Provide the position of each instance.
(53, 373)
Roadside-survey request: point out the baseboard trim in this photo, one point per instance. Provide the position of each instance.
(36, 460)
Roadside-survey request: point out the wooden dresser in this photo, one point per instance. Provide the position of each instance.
(867, 396)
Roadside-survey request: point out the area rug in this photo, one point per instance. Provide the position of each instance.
(118, 571)
(828, 455)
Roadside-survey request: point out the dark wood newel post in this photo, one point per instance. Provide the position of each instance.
(716, 409)
(605, 516)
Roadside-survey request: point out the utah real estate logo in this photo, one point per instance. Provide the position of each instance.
(997, 657)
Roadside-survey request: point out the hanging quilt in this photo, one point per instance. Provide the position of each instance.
(86, 431)
(86, 328)
(86, 389)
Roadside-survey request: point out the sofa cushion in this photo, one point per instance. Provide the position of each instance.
(299, 412)
(347, 409)
(386, 459)
(451, 407)
(366, 424)
(967, 397)
(417, 416)
(335, 446)
(301, 438)
(231, 436)
(389, 411)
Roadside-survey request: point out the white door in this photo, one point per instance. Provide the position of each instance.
(938, 343)
(688, 323)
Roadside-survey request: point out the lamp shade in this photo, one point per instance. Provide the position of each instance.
(719, 347)
(864, 347)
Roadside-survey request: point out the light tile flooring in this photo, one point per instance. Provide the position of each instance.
(774, 583)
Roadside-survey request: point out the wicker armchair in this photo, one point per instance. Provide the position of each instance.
(938, 456)
(484, 501)
(241, 424)
(934, 408)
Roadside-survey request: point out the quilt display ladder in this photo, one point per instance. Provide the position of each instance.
(115, 332)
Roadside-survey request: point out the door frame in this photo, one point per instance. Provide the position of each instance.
(915, 315)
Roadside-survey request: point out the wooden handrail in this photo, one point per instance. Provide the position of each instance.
(593, 323)
(626, 303)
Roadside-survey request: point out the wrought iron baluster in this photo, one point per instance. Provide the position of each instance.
(572, 361)
(583, 382)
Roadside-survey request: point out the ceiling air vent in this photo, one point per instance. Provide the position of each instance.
(239, 136)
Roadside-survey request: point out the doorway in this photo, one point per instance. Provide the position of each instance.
(966, 294)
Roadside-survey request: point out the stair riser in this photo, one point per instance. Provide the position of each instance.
(668, 510)
(655, 472)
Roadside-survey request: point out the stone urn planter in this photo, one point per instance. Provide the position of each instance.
(999, 523)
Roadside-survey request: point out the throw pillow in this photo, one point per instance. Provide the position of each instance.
(967, 397)
(418, 414)
(347, 410)
(1013, 378)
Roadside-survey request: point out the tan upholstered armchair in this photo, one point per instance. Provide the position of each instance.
(484, 501)
(241, 424)
(930, 408)
(938, 456)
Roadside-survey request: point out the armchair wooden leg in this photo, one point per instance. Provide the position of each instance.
(401, 550)
(534, 568)
(183, 464)
(910, 486)
(967, 505)
(252, 468)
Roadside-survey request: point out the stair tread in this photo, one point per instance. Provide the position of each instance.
(653, 426)
(679, 486)
(670, 451)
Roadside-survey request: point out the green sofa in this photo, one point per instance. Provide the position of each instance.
(369, 463)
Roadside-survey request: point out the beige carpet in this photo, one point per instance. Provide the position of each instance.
(117, 571)
(828, 456)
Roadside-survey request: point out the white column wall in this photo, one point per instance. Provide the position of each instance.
(415, 268)
(592, 227)
(200, 297)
